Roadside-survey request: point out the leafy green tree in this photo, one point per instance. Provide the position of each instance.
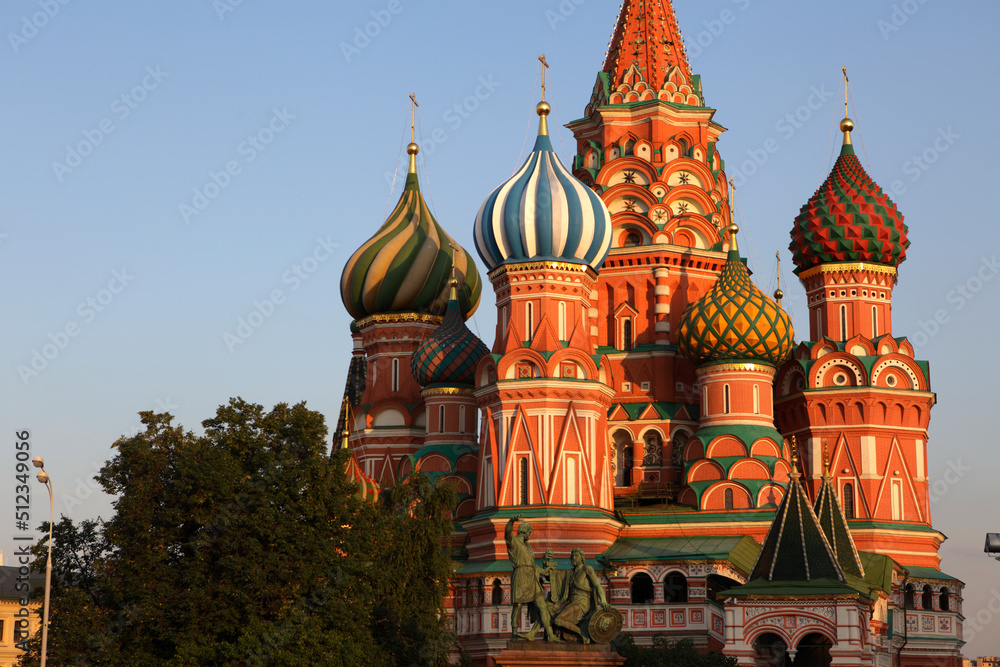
(248, 546)
(664, 653)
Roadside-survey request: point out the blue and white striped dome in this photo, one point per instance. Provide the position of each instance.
(543, 213)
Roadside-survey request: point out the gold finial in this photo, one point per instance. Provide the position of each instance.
(778, 294)
(346, 407)
(453, 282)
(733, 230)
(543, 109)
(412, 149)
(795, 458)
(826, 459)
(847, 124)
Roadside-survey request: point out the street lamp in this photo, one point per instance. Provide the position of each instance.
(43, 477)
(992, 545)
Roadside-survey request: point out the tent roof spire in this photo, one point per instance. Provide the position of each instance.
(646, 36)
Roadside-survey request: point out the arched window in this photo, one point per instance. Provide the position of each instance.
(874, 321)
(626, 464)
(503, 317)
(729, 499)
(627, 334)
(497, 597)
(945, 601)
(529, 320)
(562, 321)
(524, 480)
(440, 419)
(642, 589)
(908, 597)
(395, 374)
(725, 399)
(849, 500)
(632, 239)
(927, 598)
(819, 323)
(461, 419)
(896, 493)
(571, 481)
(675, 588)
(756, 399)
(843, 323)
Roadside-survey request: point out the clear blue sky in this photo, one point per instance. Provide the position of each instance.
(163, 94)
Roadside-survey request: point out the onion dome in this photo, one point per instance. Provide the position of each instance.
(367, 488)
(849, 219)
(543, 212)
(735, 320)
(405, 267)
(450, 354)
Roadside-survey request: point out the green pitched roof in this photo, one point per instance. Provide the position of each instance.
(878, 570)
(740, 551)
(834, 525)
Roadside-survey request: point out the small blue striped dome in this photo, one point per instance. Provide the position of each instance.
(543, 212)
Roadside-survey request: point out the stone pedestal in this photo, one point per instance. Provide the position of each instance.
(545, 654)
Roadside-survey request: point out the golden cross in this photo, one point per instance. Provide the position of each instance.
(545, 66)
(846, 80)
(454, 250)
(413, 117)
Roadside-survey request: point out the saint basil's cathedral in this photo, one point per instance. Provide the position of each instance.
(644, 400)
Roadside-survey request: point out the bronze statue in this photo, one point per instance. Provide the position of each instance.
(585, 593)
(525, 583)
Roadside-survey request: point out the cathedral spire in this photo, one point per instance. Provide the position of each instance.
(647, 37)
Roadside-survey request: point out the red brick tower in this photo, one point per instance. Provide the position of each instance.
(396, 287)
(543, 391)
(856, 388)
(647, 145)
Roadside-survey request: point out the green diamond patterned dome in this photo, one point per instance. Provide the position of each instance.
(848, 219)
(735, 320)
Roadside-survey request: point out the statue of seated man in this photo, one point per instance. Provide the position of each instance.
(584, 594)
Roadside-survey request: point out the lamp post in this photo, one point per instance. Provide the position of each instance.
(43, 477)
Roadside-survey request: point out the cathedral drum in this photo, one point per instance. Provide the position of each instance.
(605, 625)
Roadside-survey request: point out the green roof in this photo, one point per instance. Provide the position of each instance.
(930, 573)
(741, 551)
(834, 525)
(795, 548)
(878, 570)
(822, 587)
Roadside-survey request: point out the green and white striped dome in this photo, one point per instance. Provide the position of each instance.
(406, 266)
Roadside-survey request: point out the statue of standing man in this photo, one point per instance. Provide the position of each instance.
(525, 586)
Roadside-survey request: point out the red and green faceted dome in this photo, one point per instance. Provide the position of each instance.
(735, 321)
(448, 356)
(849, 219)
